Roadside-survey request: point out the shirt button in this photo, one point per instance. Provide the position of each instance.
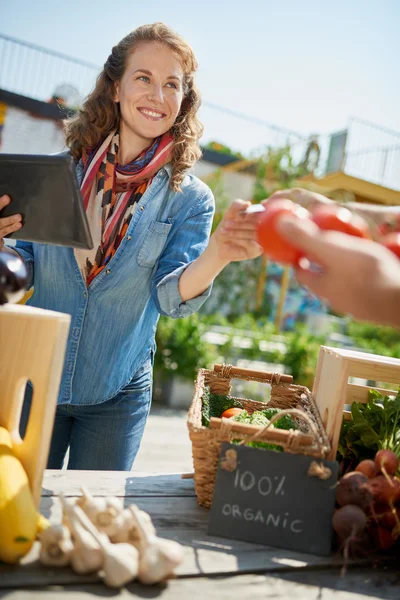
(108, 271)
(141, 208)
(84, 294)
(128, 237)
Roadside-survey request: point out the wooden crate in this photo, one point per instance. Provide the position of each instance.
(332, 390)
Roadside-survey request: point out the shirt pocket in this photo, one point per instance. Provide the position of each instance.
(153, 243)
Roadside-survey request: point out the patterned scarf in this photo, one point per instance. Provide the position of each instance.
(110, 195)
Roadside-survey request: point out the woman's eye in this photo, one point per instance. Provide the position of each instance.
(173, 85)
(144, 78)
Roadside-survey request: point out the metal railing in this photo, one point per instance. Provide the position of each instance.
(38, 73)
(373, 153)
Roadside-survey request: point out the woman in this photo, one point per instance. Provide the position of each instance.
(134, 141)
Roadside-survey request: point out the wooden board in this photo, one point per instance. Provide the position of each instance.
(183, 520)
(116, 483)
(212, 567)
(296, 585)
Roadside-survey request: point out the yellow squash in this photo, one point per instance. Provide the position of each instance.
(19, 520)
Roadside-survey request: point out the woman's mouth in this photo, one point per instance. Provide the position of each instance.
(151, 114)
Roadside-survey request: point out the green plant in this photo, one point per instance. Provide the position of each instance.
(377, 339)
(373, 426)
(302, 355)
(181, 348)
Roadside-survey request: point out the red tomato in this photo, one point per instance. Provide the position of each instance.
(391, 241)
(231, 412)
(340, 219)
(392, 224)
(275, 247)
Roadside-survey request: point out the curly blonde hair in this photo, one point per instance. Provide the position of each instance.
(100, 114)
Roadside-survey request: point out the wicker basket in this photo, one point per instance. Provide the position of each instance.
(310, 439)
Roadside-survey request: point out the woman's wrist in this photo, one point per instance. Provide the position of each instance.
(212, 255)
(201, 273)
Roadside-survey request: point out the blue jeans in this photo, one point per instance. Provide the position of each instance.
(102, 436)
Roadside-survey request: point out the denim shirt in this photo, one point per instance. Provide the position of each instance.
(113, 321)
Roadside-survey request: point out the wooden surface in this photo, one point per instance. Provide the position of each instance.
(33, 343)
(212, 567)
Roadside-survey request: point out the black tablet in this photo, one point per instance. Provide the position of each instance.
(45, 191)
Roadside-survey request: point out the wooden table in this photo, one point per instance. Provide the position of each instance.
(212, 568)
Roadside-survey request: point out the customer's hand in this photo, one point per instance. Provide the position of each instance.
(8, 224)
(356, 276)
(377, 216)
(305, 198)
(235, 236)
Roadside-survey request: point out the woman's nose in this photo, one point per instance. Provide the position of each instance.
(156, 94)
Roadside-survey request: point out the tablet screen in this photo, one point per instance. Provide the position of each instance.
(45, 190)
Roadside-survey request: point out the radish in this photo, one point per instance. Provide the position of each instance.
(387, 462)
(352, 489)
(349, 521)
(383, 538)
(385, 516)
(384, 489)
(367, 468)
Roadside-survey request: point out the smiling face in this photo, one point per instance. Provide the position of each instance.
(150, 93)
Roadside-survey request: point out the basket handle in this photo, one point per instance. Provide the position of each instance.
(272, 435)
(229, 371)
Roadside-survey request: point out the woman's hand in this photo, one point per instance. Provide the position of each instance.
(356, 276)
(8, 224)
(235, 237)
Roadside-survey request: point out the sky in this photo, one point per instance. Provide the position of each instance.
(307, 65)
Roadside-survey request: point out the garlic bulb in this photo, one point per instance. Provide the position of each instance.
(55, 546)
(158, 557)
(87, 555)
(121, 561)
(103, 512)
(127, 530)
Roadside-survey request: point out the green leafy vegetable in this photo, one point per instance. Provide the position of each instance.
(261, 418)
(214, 405)
(373, 426)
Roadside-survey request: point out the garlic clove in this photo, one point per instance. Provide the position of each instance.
(121, 563)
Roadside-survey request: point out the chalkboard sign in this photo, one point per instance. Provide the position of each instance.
(278, 499)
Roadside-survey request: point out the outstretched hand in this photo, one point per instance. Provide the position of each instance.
(235, 236)
(356, 276)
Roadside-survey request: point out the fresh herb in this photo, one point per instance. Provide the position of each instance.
(373, 426)
(262, 418)
(213, 405)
